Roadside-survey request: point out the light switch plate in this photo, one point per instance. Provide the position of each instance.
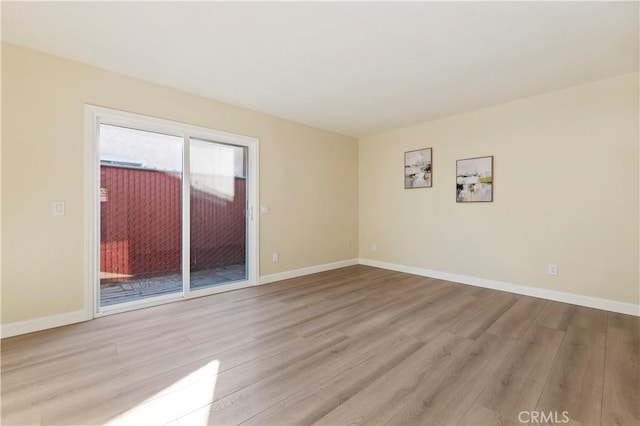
(264, 209)
(58, 208)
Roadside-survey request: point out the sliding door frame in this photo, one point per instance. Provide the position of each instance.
(94, 117)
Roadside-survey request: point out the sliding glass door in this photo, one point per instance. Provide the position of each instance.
(140, 215)
(218, 250)
(173, 215)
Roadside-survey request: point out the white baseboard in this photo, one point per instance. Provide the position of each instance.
(38, 324)
(558, 296)
(44, 323)
(266, 279)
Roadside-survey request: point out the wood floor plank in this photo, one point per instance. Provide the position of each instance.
(443, 316)
(385, 316)
(84, 376)
(352, 345)
(305, 407)
(21, 377)
(478, 415)
(336, 318)
(628, 323)
(194, 377)
(518, 382)
(621, 399)
(515, 322)
(375, 404)
(17, 360)
(208, 384)
(590, 319)
(575, 382)
(481, 317)
(309, 313)
(447, 396)
(76, 388)
(317, 370)
(555, 315)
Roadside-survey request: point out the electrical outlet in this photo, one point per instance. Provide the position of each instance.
(552, 269)
(275, 257)
(374, 247)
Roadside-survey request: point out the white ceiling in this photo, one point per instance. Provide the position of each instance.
(356, 68)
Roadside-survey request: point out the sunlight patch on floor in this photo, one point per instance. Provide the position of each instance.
(193, 391)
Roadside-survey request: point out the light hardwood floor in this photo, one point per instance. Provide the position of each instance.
(354, 345)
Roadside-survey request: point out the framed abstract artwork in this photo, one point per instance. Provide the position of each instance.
(474, 180)
(417, 169)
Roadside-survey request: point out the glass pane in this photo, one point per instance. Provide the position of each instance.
(218, 213)
(140, 215)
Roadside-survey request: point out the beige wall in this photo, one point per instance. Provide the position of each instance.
(566, 192)
(566, 186)
(309, 177)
